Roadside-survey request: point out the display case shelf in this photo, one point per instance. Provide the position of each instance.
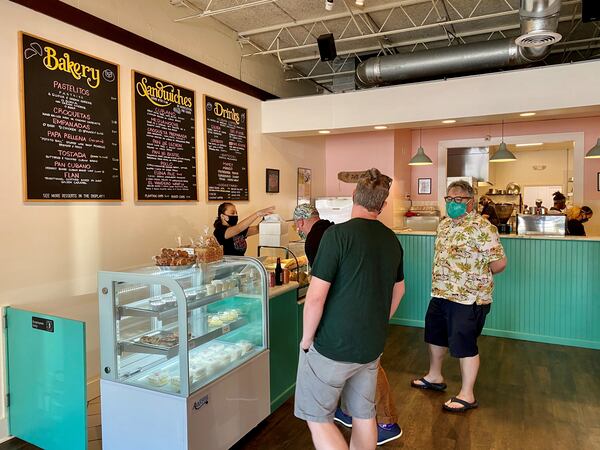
(170, 352)
(143, 308)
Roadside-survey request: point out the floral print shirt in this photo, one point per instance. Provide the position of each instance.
(464, 248)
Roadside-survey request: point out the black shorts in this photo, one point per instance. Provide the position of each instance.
(456, 326)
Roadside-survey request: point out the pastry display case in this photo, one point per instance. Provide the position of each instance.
(171, 333)
(293, 258)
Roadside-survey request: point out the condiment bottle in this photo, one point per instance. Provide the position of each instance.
(278, 273)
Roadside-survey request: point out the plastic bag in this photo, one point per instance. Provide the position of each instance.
(207, 248)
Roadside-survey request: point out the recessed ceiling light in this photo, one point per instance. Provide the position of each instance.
(532, 144)
(449, 121)
(324, 131)
(380, 127)
(528, 114)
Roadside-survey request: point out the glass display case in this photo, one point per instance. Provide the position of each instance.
(183, 350)
(293, 257)
(148, 315)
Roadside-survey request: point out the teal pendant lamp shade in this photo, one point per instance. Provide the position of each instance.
(420, 158)
(594, 151)
(503, 154)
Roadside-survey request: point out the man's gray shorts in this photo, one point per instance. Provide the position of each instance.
(321, 381)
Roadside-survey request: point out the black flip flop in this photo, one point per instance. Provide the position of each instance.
(465, 405)
(428, 385)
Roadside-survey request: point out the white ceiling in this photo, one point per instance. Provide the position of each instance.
(287, 29)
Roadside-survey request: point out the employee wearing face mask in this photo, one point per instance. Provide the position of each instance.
(232, 233)
(576, 218)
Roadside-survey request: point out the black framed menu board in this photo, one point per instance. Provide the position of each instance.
(70, 119)
(226, 136)
(165, 140)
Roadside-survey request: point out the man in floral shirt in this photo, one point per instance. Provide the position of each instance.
(467, 255)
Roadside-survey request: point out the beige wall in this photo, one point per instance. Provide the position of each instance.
(523, 173)
(205, 40)
(52, 252)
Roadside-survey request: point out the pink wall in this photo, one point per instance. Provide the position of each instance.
(431, 137)
(358, 151)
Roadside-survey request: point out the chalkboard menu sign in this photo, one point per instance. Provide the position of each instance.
(165, 140)
(226, 150)
(71, 123)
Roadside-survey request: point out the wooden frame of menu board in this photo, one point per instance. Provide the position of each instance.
(208, 167)
(192, 182)
(74, 146)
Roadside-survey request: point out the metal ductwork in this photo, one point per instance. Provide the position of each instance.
(539, 25)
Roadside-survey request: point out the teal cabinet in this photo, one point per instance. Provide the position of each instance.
(548, 293)
(283, 336)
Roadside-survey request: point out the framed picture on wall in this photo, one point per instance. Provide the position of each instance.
(598, 183)
(304, 185)
(272, 181)
(424, 186)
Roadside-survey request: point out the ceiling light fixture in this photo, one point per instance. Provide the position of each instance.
(527, 114)
(449, 121)
(503, 154)
(420, 158)
(324, 131)
(533, 144)
(328, 5)
(360, 2)
(594, 151)
(380, 127)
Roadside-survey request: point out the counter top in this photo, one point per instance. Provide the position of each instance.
(508, 236)
(278, 290)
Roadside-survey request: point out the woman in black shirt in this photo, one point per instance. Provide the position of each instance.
(577, 219)
(230, 233)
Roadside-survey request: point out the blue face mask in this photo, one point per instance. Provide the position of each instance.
(455, 210)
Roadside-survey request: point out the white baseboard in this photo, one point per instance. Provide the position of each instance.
(93, 389)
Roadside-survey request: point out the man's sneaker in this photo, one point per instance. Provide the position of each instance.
(342, 418)
(387, 433)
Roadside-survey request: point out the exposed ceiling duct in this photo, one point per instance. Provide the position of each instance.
(539, 25)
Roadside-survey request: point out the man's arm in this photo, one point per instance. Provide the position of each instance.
(397, 295)
(498, 265)
(313, 310)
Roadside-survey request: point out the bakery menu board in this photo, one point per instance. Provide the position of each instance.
(226, 150)
(165, 140)
(71, 120)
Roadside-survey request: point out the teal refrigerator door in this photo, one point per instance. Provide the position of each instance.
(46, 380)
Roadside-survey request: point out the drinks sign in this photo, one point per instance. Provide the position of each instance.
(165, 140)
(226, 136)
(70, 111)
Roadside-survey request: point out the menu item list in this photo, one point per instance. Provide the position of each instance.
(165, 140)
(71, 114)
(226, 151)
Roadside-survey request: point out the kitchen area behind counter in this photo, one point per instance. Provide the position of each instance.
(548, 292)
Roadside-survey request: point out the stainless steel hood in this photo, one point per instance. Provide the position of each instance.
(469, 162)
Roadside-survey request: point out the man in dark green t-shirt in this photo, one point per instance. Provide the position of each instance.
(357, 284)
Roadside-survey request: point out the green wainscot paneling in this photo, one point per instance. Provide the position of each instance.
(550, 291)
(283, 351)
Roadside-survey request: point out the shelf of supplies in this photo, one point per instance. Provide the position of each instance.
(170, 352)
(143, 308)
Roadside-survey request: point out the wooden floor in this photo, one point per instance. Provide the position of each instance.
(532, 396)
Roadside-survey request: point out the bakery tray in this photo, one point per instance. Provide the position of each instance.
(138, 347)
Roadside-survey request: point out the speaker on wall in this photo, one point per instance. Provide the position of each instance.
(590, 10)
(327, 47)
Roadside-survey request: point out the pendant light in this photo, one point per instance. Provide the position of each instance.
(420, 158)
(503, 154)
(594, 151)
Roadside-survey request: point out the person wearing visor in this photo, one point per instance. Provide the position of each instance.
(232, 233)
(468, 254)
(576, 218)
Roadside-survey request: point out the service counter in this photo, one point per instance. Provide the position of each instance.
(548, 293)
(285, 333)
